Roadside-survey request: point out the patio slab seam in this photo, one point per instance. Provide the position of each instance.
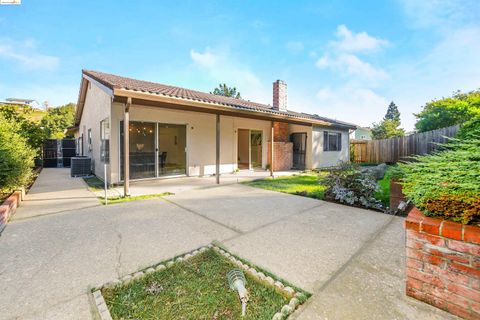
(202, 215)
(320, 288)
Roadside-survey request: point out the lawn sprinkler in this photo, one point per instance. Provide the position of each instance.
(237, 282)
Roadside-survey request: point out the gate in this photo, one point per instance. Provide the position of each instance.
(57, 153)
(299, 149)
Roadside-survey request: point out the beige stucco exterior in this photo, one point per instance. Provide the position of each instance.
(96, 108)
(200, 136)
(322, 158)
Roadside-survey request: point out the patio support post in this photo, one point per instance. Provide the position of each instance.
(271, 149)
(217, 156)
(126, 148)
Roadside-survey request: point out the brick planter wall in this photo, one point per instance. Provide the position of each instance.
(9, 206)
(443, 264)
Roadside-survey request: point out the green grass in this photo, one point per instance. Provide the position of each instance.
(193, 289)
(119, 199)
(384, 184)
(94, 184)
(305, 184)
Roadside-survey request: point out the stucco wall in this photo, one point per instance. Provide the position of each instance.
(200, 137)
(322, 158)
(96, 108)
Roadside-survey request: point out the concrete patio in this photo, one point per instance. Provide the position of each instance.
(352, 260)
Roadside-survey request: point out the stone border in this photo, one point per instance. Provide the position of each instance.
(9, 207)
(101, 307)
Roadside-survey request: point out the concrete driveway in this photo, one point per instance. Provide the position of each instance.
(350, 259)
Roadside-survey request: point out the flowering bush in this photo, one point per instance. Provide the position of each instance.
(347, 184)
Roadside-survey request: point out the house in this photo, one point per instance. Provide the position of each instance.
(362, 133)
(174, 131)
(21, 102)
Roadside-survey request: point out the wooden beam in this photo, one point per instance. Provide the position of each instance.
(217, 150)
(272, 147)
(126, 148)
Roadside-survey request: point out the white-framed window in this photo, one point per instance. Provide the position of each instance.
(332, 141)
(105, 140)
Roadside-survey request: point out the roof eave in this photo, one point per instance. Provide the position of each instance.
(122, 92)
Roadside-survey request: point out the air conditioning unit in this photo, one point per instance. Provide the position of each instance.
(80, 166)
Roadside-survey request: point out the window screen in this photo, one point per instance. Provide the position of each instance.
(332, 141)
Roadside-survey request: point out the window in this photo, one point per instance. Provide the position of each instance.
(105, 140)
(332, 141)
(89, 140)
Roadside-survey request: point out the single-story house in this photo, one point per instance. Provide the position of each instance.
(361, 133)
(175, 131)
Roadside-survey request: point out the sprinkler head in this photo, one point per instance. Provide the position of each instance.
(236, 281)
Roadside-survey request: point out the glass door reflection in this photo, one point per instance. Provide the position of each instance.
(172, 142)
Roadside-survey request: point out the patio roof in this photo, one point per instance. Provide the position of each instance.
(160, 95)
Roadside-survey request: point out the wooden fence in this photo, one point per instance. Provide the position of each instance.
(394, 149)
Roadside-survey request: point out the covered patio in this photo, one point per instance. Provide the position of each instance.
(180, 184)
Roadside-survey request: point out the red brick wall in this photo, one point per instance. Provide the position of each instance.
(283, 155)
(8, 208)
(280, 132)
(443, 264)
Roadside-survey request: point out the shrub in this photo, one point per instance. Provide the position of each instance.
(446, 184)
(16, 157)
(347, 184)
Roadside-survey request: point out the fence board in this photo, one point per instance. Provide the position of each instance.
(394, 149)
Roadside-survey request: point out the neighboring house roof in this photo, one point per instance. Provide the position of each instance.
(113, 82)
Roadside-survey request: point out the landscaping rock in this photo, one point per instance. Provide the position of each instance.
(127, 278)
(279, 285)
(270, 280)
(377, 171)
(137, 275)
(261, 275)
(160, 267)
(287, 309)
(170, 263)
(149, 270)
(289, 290)
(277, 316)
(294, 303)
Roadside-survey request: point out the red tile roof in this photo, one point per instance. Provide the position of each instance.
(117, 82)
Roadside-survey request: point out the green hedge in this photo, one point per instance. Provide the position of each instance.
(447, 183)
(16, 157)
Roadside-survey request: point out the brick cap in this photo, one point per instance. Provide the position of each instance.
(417, 221)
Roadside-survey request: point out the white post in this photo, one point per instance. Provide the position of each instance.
(106, 183)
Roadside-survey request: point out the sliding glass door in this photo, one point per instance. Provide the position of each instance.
(155, 149)
(172, 142)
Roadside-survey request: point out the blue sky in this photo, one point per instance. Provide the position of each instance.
(341, 59)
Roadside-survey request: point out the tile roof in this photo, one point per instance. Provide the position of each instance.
(118, 82)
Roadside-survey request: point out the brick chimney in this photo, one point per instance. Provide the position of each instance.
(280, 95)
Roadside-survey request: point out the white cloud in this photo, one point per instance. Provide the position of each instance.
(441, 14)
(205, 59)
(356, 42)
(25, 54)
(295, 46)
(350, 65)
(219, 66)
(357, 105)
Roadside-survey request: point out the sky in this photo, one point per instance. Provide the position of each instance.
(340, 59)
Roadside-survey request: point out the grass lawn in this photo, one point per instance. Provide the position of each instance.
(196, 288)
(305, 184)
(384, 184)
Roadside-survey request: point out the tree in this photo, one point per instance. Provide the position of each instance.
(446, 112)
(28, 129)
(392, 112)
(389, 126)
(224, 90)
(57, 120)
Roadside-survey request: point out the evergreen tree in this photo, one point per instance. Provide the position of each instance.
(224, 90)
